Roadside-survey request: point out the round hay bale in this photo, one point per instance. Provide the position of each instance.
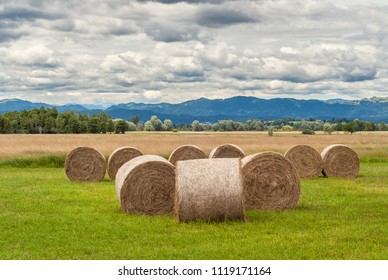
(209, 190)
(85, 164)
(186, 152)
(119, 157)
(340, 161)
(270, 182)
(227, 151)
(146, 185)
(306, 159)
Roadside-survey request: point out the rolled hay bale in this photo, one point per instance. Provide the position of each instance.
(209, 190)
(146, 185)
(227, 151)
(186, 152)
(340, 161)
(85, 164)
(270, 182)
(306, 159)
(119, 157)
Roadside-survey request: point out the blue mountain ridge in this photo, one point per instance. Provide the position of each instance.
(239, 108)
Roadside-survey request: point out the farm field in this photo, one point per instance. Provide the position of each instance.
(45, 216)
(367, 144)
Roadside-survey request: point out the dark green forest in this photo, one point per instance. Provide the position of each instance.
(50, 121)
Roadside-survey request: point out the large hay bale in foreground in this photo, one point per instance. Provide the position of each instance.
(146, 185)
(227, 151)
(85, 164)
(306, 159)
(119, 157)
(209, 189)
(270, 182)
(340, 161)
(186, 152)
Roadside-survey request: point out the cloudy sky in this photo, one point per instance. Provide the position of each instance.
(117, 51)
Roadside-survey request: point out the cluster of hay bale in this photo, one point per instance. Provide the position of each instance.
(216, 188)
(335, 161)
(271, 182)
(119, 157)
(85, 164)
(340, 161)
(227, 151)
(306, 160)
(186, 152)
(146, 184)
(209, 189)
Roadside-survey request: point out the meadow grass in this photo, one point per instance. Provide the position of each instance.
(367, 144)
(45, 216)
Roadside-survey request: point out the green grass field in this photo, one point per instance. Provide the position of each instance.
(45, 216)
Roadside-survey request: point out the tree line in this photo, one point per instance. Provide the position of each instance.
(50, 121)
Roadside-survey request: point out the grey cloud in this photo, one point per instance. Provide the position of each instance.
(186, 1)
(215, 16)
(97, 47)
(166, 33)
(26, 13)
(65, 25)
(8, 35)
(359, 77)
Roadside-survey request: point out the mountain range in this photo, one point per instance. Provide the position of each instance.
(239, 108)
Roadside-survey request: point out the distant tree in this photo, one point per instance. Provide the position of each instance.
(121, 126)
(103, 127)
(140, 126)
(270, 130)
(148, 126)
(94, 125)
(49, 125)
(53, 112)
(287, 128)
(197, 126)
(254, 125)
(328, 128)
(5, 125)
(308, 131)
(357, 125)
(225, 125)
(76, 126)
(157, 124)
(306, 126)
(207, 126)
(369, 126)
(168, 125)
(131, 126)
(103, 117)
(110, 126)
(349, 127)
(135, 119)
(382, 126)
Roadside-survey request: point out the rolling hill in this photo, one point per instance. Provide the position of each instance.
(239, 108)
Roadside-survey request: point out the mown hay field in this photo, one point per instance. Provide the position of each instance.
(367, 144)
(43, 215)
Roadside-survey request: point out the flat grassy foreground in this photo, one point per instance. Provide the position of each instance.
(45, 216)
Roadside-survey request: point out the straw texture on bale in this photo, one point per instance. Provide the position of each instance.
(306, 159)
(186, 152)
(146, 185)
(119, 157)
(270, 182)
(85, 164)
(340, 161)
(227, 151)
(209, 190)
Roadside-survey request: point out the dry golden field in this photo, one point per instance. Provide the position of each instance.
(163, 143)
